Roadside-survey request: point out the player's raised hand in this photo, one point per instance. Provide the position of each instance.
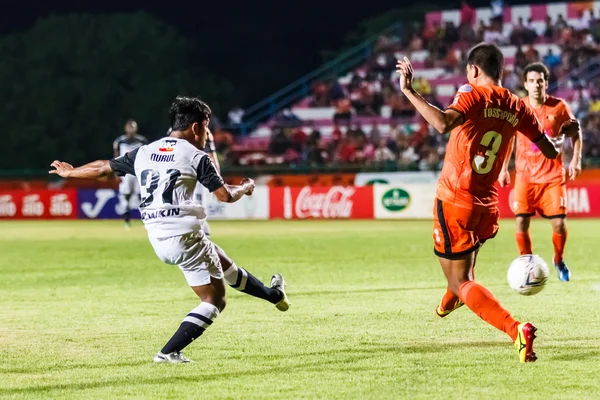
(504, 178)
(249, 183)
(574, 169)
(405, 69)
(61, 168)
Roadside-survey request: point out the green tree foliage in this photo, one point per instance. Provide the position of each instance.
(69, 84)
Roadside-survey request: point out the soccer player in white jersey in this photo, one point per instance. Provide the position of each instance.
(167, 171)
(128, 185)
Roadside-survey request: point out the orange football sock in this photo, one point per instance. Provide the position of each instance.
(524, 242)
(483, 303)
(559, 242)
(448, 301)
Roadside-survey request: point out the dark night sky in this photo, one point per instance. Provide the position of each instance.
(276, 39)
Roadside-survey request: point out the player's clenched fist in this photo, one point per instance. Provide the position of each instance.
(249, 184)
(570, 128)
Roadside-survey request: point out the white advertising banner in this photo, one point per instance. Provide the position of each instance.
(413, 201)
(395, 178)
(248, 207)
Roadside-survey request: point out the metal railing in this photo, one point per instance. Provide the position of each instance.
(300, 88)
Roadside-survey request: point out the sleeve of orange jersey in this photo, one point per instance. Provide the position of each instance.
(529, 124)
(465, 101)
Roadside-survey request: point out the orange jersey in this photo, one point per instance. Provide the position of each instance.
(530, 163)
(477, 149)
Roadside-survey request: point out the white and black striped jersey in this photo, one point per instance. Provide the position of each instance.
(123, 145)
(167, 171)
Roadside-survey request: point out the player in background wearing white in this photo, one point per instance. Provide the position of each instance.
(167, 171)
(128, 186)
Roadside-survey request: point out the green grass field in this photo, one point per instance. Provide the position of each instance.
(86, 305)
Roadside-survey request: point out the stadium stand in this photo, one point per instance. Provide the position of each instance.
(360, 118)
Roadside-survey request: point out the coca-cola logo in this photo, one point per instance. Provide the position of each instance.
(336, 203)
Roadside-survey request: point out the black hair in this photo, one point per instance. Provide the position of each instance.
(186, 110)
(537, 67)
(488, 57)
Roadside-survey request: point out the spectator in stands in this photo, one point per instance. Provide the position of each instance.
(511, 80)
(280, 143)
(550, 32)
(497, 7)
(451, 33)
(320, 94)
(560, 23)
(314, 153)
(235, 115)
(532, 55)
(383, 153)
(401, 107)
(580, 104)
(299, 139)
(374, 134)
(467, 14)
(495, 34)
(343, 111)
(551, 60)
(416, 43)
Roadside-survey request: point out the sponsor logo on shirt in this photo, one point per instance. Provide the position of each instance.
(167, 145)
(172, 212)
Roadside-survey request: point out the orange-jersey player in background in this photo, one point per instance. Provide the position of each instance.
(540, 184)
(483, 120)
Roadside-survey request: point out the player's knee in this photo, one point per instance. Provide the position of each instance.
(522, 224)
(559, 226)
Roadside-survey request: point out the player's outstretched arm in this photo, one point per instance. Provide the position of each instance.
(550, 148)
(232, 193)
(94, 170)
(442, 121)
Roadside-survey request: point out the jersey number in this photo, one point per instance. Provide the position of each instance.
(482, 165)
(149, 182)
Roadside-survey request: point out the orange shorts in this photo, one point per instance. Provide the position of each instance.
(458, 232)
(547, 199)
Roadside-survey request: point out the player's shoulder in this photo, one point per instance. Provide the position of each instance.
(556, 103)
(120, 139)
(141, 139)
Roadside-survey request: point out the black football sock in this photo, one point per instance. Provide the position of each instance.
(192, 327)
(244, 281)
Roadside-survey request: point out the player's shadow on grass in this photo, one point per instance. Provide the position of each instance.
(368, 290)
(577, 355)
(21, 370)
(194, 373)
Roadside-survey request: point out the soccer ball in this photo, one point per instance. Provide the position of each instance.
(528, 274)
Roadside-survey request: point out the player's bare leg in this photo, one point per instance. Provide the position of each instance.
(196, 322)
(522, 234)
(244, 281)
(450, 301)
(559, 239)
(482, 302)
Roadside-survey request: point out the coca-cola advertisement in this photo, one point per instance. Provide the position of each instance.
(583, 201)
(38, 204)
(335, 202)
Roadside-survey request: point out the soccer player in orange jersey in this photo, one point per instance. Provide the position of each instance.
(540, 184)
(483, 120)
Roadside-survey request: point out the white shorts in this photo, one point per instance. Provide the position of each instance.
(129, 185)
(195, 255)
